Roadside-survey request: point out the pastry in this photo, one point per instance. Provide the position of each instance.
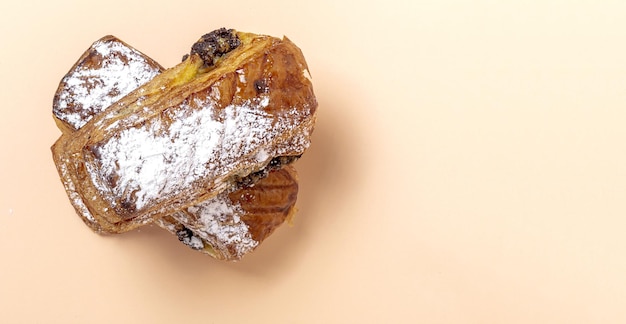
(106, 72)
(236, 221)
(238, 108)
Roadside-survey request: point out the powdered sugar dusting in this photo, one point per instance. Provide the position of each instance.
(194, 242)
(221, 226)
(307, 74)
(162, 157)
(242, 75)
(88, 90)
(148, 164)
(262, 155)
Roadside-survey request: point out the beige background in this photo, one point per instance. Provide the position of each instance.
(469, 166)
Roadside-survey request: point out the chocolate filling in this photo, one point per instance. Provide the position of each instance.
(185, 235)
(213, 45)
(275, 164)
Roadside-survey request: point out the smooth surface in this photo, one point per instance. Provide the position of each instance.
(468, 166)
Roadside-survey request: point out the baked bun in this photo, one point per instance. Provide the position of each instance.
(143, 144)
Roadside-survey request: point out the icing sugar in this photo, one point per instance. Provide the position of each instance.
(164, 156)
(307, 74)
(193, 241)
(220, 224)
(242, 75)
(88, 90)
(262, 155)
(146, 163)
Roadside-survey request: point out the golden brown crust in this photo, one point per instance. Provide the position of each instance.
(268, 203)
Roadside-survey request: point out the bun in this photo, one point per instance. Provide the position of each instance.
(201, 149)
